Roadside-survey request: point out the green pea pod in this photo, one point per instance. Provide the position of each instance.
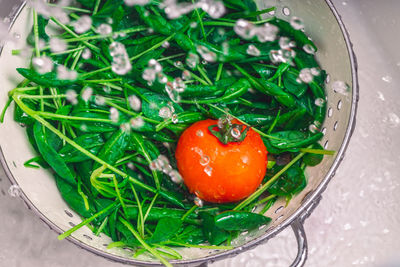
(299, 36)
(167, 227)
(293, 139)
(91, 142)
(73, 198)
(240, 220)
(48, 80)
(213, 234)
(114, 148)
(92, 126)
(51, 155)
(290, 183)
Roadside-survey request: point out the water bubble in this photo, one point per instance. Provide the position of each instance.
(319, 102)
(104, 29)
(57, 45)
(114, 114)
(235, 132)
(192, 60)
(282, 55)
(83, 24)
(174, 10)
(165, 112)
(166, 44)
(86, 93)
(107, 89)
(306, 76)
(252, 50)
(65, 74)
(215, 9)
(14, 191)
(309, 49)
(208, 170)
(150, 73)
(267, 33)
(313, 128)
(285, 43)
(387, 79)
(297, 23)
(72, 96)
(315, 71)
(130, 165)
(99, 100)
(86, 54)
(340, 87)
(206, 54)
(186, 75)
(200, 133)
(198, 202)
(136, 123)
(176, 177)
(16, 35)
(174, 118)
(121, 64)
(136, 2)
(42, 64)
(244, 29)
(178, 64)
(204, 160)
(134, 102)
(178, 85)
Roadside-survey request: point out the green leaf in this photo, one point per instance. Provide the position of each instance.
(90, 142)
(152, 108)
(292, 86)
(48, 80)
(191, 235)
(240, 220)
(211, 231)
(311, 159)
(290, 183)
(166, 228)
(293, 139)
(51, 155)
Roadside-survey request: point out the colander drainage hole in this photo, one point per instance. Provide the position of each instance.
(339, 104)
(72, 224)
(105, 245)
(326, 144)
(279, 209)
(335, 125)
(68, 213)
(279, 218)
(88, 237)
(330, 112)
(128, 249)
(286, 11)
(323, 130)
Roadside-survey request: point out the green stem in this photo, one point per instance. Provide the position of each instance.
(195, 246)
(262, 189)
(318, 151)
(71, 8)
(36, 33)
(219, 71)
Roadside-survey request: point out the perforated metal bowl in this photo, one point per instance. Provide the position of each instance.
(335, 55)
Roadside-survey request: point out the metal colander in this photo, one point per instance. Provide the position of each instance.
(335, 55)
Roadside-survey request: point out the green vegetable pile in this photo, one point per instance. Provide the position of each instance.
(100, 130)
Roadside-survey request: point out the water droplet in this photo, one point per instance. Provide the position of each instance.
(104, 29)
(192, 60)
(16, 35)
(198, 202)
(121, 64)
(297, 23)
(319, 102)
(347, 227)
(86, 54)
(309, 49)
(130, 165)
(136, 123)
(235, 132)
(315, 71)
(387, 79)
(193, 24)
(306, 76)
(381, 96)
(204, 160)
(86, 94)
(125, 127)
(313, 128)
(215, 9)
(136, 2)
(200, 133)
(174, 119)
(150, 73)
(252, 50)
(114, 114)
(165, 112)
(266, 33)
(134, 102)
(83, 24)
(42, 64)
(14, 191)
(65, 74)
(176, 177)
(285, 43)
(178, 85)
(385, 231)
(72, 96)
(99, 100)
(206, 54)
(244, 29)
(208, 170)
(166, 44)
(186, 75)
(340, 87)
(57, 45)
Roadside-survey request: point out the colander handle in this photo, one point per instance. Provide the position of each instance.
(301, 237)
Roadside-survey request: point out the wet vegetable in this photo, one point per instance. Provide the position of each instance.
(106, 100)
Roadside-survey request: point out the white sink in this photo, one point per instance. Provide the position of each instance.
(358, 220)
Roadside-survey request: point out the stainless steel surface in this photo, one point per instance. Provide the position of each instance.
(374, 78)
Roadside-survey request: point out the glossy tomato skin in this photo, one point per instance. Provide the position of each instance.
(216, 172)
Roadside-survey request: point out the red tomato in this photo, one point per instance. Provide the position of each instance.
(216, 172)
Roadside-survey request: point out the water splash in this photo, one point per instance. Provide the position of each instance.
(206, 54)
(104, 29)
(134, 102)
(82, 25)
(86, 94)
(57, 45)
(252, 50)
(136, 123)
(72, 96)
(42, 64)
(340, 87)
(86, 54)
(136, 2)
(192, 60)
(297, 23)
(114, 114)
(150, 73)
(247, 30)
(63, 73)
(14, 191)
(121, 64)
